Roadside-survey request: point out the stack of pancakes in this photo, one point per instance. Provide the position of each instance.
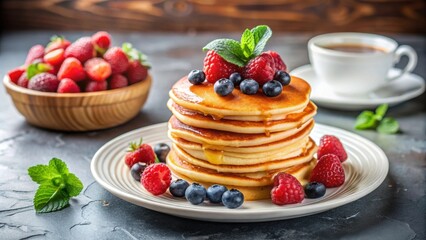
(239, 140)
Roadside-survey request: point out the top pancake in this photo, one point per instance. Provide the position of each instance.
(202, 98)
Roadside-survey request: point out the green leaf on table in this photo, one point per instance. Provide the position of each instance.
(58, 165)
(50, 198)
(261, 35)
(247, 43)
(365, 120)
(42, 173)
(381, 111)
(388, 125)
(73, 185)
(228, 49)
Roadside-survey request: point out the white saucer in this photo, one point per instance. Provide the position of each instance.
(365, 169)
(405, 88)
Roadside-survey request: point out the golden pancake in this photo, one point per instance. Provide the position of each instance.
(223, 138)
(202, 98)
(306, 155)
(196, 119)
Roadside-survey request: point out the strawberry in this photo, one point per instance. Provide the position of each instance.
(118, 81)
(287, 190)
(279, 63)
(56, 42)
(136, 72)
(117, 59)
(15, 74)
(36, 52)
(102, 41)
(82, 49)
(328, 171)
(54, 57)
(71, 68)
(156, 178)
(44, 82)
(330, 144)
(23, 80)
(215, 67)
(95, 86)
(68, 86)
(97, 69)
(260, 68)
(139, 153)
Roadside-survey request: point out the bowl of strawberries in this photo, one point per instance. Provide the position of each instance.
(80, 86)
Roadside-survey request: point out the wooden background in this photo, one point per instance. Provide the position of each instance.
(382, 16)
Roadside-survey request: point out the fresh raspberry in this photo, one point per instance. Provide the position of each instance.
(330, 144)
(328, 171)
(139, 153)
(118, 81)
(287, 190)
(136, 72)
(55, 57)
(261, 69)
(57, 42)
(15, 74)
(45, 82)
(215, 67)
(71, 68)
(82, 49)
(67, 85)
(96, 86)
(156, 178)
(36, 52)
(102, 41)
(279, 63)
(23, 80)
(117, 59)
(97, 69)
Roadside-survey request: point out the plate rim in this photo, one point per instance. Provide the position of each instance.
(236, 216)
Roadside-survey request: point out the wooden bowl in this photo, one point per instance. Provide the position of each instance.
(79, 111)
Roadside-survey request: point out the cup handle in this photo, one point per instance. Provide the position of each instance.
(412, 60)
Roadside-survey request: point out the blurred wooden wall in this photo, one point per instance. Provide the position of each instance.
(383, 16)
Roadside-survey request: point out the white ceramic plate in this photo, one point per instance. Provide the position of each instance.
(366, 168)
(404, 88)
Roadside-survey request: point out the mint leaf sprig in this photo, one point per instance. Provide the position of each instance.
(57, 186)
(251, 45)
(377, 120)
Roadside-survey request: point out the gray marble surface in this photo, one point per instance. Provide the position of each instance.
(395, 210)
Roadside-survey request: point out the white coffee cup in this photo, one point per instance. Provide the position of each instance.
(357, 73)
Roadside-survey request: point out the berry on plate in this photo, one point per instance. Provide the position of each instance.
(287, 190)
(101, 41)
(215, 67)
(272, 88)
(72, 68)
(215, 192)
(282, 77)
(96, 86)
(278, 62)
(223, 87)
(118, 60)
(178, 187)
(196, 77)
(156, 178)
(57, 42)
(330, 144)
(232, 198)
(139, 152)
(118, 81)
(97, 69)
(328, 171)
(44, 82)
(195, 193)
(82, 49)
(67, 85)
(15, 74)
(249, 86)
(161, 150)
(236, 79)
(261, 69)
(137, 169)
(314, 190)
(35, 52)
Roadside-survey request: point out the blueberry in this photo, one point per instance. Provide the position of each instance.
(282, 77)
(272, 88)
(161, 150)
(236, 79)
(314, 190)
(223, 86)
(249, 86)
(137, 169)
(232, 198)
(215, 192)
(196, 77)
(195, 193)
(177, 188)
